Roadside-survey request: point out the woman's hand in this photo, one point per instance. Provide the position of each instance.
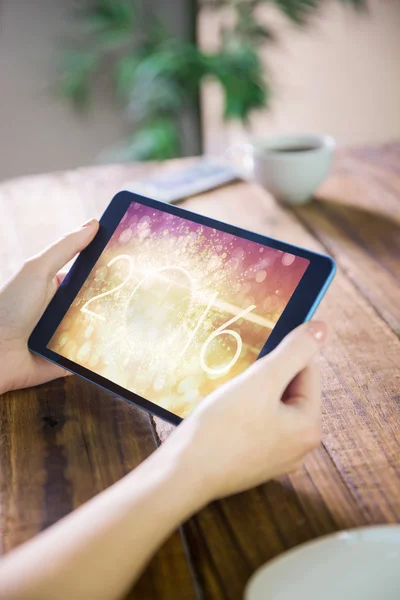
(258, 426)
(22, 303)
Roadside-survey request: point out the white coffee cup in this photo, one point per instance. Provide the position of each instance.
(290, 167)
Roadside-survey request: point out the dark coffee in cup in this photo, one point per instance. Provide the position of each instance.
(288, 149)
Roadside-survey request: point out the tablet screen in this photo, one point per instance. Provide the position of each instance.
(172, 308)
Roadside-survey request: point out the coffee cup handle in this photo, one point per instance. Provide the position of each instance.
(241, 155)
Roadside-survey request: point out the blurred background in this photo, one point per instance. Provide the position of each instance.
(120, 80)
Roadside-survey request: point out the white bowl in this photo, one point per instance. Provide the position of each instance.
(360, 564)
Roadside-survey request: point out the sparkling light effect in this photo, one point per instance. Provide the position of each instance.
(173, 309)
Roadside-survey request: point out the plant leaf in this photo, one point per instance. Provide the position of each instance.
(357, 4)
(112, 22)
(153, 96)
(241, 75)
(155, 140)
(75, 76)
(300, 11)
(115, 14)
(125, 69)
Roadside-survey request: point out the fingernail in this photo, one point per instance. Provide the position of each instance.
(318, 330)
(89, 223)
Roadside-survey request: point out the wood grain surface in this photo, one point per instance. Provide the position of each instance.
(63, 442)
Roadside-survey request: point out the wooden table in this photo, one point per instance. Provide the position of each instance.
(63, 442)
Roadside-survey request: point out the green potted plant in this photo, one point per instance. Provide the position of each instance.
(155, 76)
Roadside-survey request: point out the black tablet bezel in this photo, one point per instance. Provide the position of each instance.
(300, 307)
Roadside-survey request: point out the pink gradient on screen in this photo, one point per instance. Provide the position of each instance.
(173, 309)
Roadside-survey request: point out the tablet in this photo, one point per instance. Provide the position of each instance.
(166, 305)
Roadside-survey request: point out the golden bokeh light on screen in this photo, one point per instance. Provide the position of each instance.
(173, 309)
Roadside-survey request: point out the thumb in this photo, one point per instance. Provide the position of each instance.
(297, 350)
(53, 258)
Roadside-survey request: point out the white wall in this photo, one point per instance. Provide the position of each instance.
(38, 132)
(340, 76)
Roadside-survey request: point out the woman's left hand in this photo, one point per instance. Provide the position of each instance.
(23, 300)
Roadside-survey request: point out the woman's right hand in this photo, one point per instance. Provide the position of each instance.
(258, 426)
